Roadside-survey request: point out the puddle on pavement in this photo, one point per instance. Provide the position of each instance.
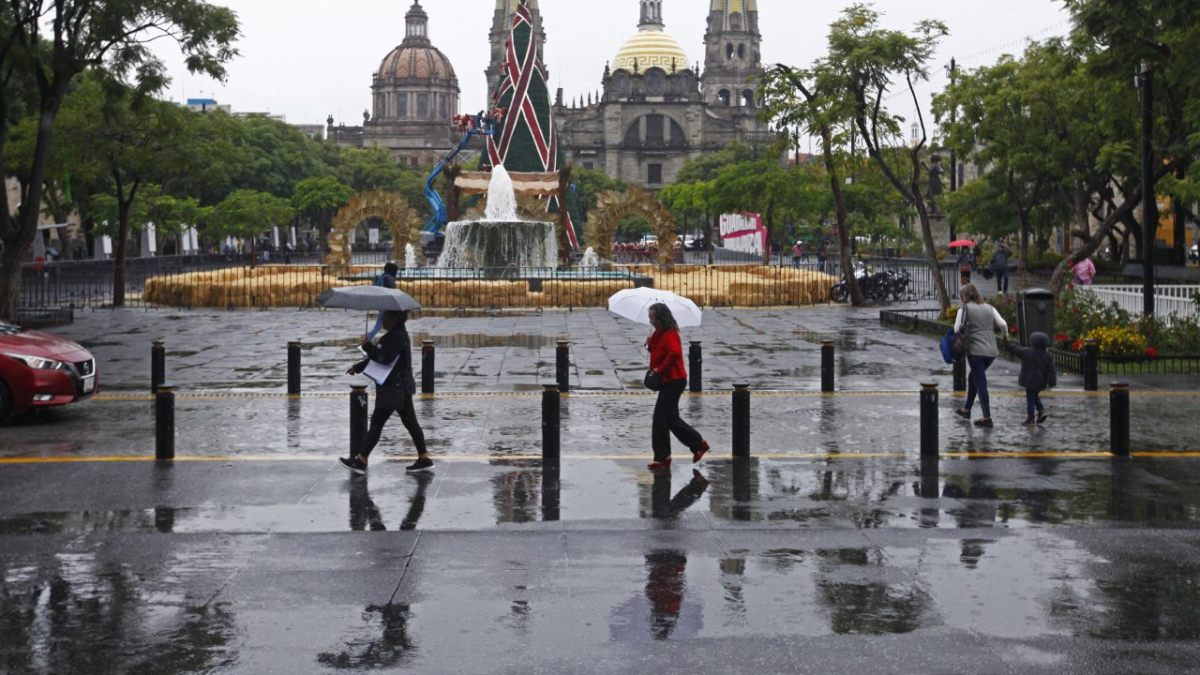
(459, 341)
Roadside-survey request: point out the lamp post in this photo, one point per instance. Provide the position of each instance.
(1145, 81)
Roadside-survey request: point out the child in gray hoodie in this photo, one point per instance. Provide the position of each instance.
(1037, 375)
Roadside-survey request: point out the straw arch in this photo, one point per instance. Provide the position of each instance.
(402, 221)
(612, 207)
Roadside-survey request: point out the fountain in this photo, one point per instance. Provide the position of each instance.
(500, 245)
(410, 257)
(590, 260)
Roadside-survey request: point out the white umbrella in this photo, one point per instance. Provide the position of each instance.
(373, 298)
(634, 304)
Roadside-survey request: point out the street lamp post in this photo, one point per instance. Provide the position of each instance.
(1145, 82)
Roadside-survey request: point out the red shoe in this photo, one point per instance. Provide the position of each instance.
(660, 465)
(699, 454)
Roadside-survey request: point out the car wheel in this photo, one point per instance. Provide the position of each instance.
(6, 404)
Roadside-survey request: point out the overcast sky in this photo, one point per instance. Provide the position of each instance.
(307, 59)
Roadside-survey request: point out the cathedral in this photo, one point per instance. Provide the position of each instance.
(655, 111)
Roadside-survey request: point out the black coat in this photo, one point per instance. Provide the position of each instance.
(395, 343)
(1037, 368)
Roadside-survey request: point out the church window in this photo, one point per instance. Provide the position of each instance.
(729, 51)
(655, 133)
(402, 105)
(724, 97)
(748, 98)
(442, 105)
(423, 110)
(654, 175)
(655, 82)
(590, 166)
(741, 51)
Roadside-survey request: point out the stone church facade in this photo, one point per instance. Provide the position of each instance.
(656, 110)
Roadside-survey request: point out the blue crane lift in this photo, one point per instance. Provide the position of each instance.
(471, 126)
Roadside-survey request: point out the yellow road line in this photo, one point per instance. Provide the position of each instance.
(242, 459)
(226, 396)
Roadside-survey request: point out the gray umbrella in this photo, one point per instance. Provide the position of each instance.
(370, 298)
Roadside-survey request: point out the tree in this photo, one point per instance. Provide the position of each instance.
(58, 41)
(247, 214)
(866, 60)
(319, 200)
(815, 100)
(586, 185)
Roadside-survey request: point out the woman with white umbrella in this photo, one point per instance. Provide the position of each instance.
(666, 363)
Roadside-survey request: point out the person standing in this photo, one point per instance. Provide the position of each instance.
(1037, 375)
(666, 359)
(981, 321)
(965, 263)
(1085, 271)
(392, 396)
(797, 253)
(1000, 263)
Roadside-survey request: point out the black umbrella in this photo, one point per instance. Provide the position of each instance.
(370, 298)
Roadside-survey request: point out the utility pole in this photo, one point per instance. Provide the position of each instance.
(1145, 82)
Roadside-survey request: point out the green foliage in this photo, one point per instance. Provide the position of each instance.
(586, 185)
(247, 214)
(319, 199)
(1079, 313)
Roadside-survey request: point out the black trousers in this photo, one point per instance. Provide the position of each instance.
(667, 422)
(390, 401)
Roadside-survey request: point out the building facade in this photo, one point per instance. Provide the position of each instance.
(415, 95)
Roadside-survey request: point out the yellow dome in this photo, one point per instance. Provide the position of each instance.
(651, 49)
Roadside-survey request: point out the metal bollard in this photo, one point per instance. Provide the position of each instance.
(562, 366)
(741, 420)
(929, 420)
(696, 368)
(827, 376)
(551, 425)
(293, 374)
(358, 419)
(930, 477)
(427, 366)
(551, 493)
(960, 374)
(158, 365)
(1118, 400)
(164, 422)
(1091, 366)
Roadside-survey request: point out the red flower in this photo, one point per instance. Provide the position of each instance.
(1062, 337)
(1077, 346)
(1012, 330)
(1152, 352)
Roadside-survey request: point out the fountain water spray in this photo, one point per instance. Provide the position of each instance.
(500, 245)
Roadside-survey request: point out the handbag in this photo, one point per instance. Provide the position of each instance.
(653, 381)
(961, 344)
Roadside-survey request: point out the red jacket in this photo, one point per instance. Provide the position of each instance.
(666, 355)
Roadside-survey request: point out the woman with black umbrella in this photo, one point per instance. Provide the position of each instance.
(394, 394)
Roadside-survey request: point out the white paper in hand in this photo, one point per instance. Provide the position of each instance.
(379, 372)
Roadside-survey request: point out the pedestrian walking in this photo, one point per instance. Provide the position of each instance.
(393, 395)
(965, 263)
(1000, 263)
(385, 279)
(981, 321)
(1037, 375)
(797, 253)
(666, 360)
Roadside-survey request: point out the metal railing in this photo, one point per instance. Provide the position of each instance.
(1170, 301)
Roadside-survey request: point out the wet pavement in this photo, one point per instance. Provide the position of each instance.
(834, 550)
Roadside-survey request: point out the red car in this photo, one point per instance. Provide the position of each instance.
(40, 370)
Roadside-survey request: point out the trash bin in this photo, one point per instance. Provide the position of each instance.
(1035, 313)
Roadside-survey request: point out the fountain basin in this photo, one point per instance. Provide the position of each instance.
(494, 246)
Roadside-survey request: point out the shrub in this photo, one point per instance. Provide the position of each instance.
(1079, 313)
(1119, 341)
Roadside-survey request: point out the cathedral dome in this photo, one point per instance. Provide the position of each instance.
(651, 48)
(416, 58)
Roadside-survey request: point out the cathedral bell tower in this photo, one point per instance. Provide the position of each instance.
(501, 25)
(732, 54)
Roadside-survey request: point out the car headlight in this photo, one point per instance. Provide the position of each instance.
(37, 362)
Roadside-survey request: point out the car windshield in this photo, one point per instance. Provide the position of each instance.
(9, 329)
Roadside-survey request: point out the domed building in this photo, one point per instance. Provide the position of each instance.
(415, 96)
(657, 110)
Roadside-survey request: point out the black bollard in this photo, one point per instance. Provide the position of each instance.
(158, 365)
(930, 478)
(293, 374)
(1091, 366)
(551, 425)
(551, 493)
(427, 367)
(696, 368)
(358, 419)
(827, 377)
(741, 421)
(960, 374)
(929, 420)
(562, 366)
(1118, 399)
(164, 422)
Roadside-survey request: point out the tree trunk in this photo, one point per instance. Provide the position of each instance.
(935, 267)
(1058, 281)
(121, 253)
